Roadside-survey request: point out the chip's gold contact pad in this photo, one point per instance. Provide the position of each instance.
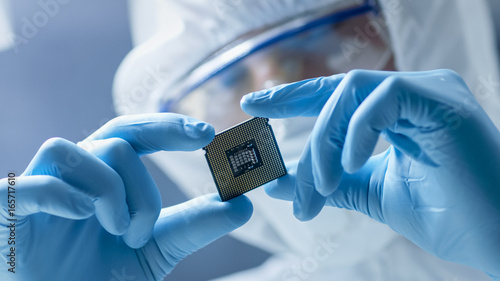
(244, 157)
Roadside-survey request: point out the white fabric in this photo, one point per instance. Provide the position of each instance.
(6, 35)
(454, 34)
(425, 34)
(401, 260)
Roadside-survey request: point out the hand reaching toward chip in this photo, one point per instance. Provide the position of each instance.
(438, 184)
(91, 211)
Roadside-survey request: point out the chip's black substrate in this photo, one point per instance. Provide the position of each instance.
(244, 157)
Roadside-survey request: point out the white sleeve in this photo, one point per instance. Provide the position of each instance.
(454, 34)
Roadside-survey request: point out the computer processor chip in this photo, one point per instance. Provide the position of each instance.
(244, 157)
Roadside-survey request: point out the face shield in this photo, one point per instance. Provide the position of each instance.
(321, 43)
(317, 44)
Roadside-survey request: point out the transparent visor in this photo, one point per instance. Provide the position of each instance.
(340, 42)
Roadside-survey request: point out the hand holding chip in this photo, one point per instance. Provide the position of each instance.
(92, 211)
(438, 183)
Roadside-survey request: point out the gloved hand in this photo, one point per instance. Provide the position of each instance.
(438, 184)
(90, 211)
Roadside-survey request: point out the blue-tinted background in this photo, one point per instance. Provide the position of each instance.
(59, 84)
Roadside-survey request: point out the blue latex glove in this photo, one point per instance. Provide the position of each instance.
(438, 184)
(92, 211)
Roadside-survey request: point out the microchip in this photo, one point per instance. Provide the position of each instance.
(244, 157)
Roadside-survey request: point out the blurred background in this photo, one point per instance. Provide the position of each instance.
(58, 83)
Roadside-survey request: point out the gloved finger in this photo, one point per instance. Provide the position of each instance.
(396, 101)
(304, 98)
(63, 159)
(142, 195)
(307, 202)
(283, 188)
(193, 225)
(362, 134)
(352, 193)
(363, 190)
(328, 135)
(34, 194)
(149, 133)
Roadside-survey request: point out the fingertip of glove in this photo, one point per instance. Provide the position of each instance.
(281, 189)
(271, 190)
(307, 207)
(246, 99)
(199, 130)
(254, 103)
(255, 96)
(324, 191)
(240, 210)
(247, 105)
(300, 215)
(348, 164)
(137, 242)
(350, 168)
(198, 126)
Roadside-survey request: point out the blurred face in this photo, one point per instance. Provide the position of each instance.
(358, 43)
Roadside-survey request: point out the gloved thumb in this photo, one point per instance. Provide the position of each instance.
(190, 226)
(363, 190)
(360, 191)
